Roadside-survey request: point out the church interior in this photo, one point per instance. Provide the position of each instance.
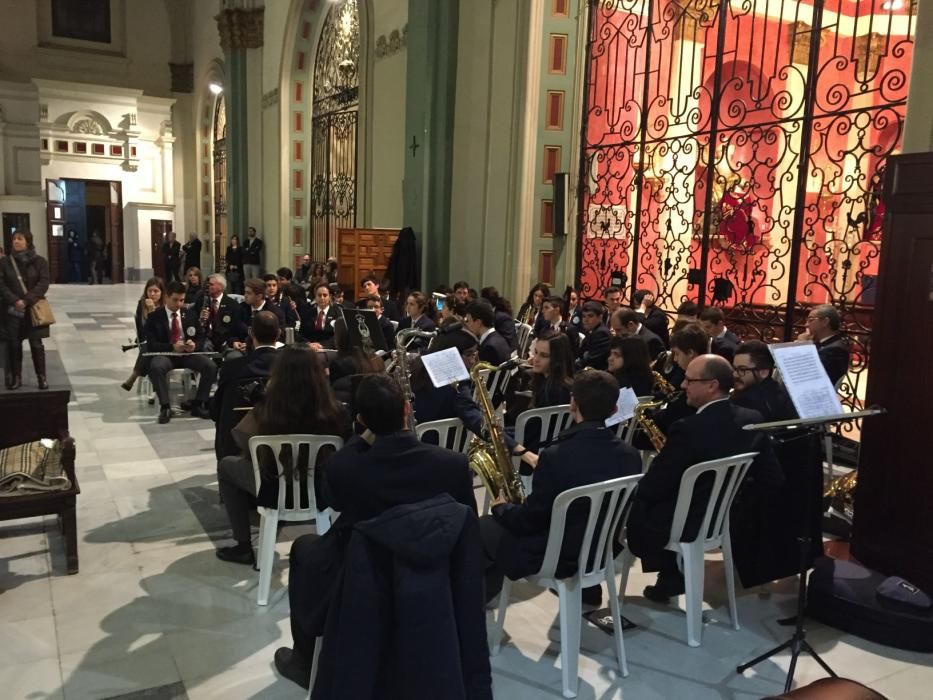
(746, 183)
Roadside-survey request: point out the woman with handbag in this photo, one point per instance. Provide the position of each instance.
(24, 280)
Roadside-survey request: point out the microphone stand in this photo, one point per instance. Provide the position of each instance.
(816, 429)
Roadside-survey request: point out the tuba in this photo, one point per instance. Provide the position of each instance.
(490, 458)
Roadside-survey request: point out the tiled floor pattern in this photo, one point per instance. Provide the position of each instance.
(154, 614)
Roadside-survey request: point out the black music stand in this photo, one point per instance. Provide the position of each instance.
(803, 428)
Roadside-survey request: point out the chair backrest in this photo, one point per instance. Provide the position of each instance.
(447, 432)
(495, 381)
(236, 297)
(543, 423)
(394, 324)
(727, 474)
(523, 332)
(289, 471)
(609, 503)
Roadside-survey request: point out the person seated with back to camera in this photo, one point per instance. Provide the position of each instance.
(515, 536)
(349, 362)
(625, 322)
(254, 301)
(502, 308)
(297, 400)
(235, 374)
(480, 320)
(174, 330)
(361, 482)
(629, 364)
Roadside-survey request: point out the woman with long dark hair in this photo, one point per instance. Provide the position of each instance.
(194, 284)
(630, 364)
(505, 323)
(24, 280)
(417, 316)
(551, 370)
(530, 312)
(297, 399)
(350, 360)
(574, 306)
(153, 293)
(234, 265)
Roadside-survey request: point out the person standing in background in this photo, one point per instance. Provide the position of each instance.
(252, 255)
(95, 257)
(171, 255)
(75, 258)
(192, 251)
(234, 265)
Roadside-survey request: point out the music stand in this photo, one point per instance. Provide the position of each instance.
(364, 330)
(802, 427)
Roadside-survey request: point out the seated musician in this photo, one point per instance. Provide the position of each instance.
(416, 317)
(480, 320)
(350, 360)
(297, 400)
(275, 294)
(385, 324)
(687, 344)
(461, 290)
(627, 322)
(194, 285)
(723, 341)
(551, 370)
(653, 318)
(236, 374)
(515, 536)
(530, 312)
(363, 481)
(689, 312)
(153, 293)
(823, 328)
(220, 315)
(254, 301)
(371, 288)
(594, 348)
(713, 432)
(178, 333)
(554, 311)
(629, 364)
(317, 325)
(612, 301)
(502, 308)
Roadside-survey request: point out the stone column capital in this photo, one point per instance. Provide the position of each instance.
(240, 28)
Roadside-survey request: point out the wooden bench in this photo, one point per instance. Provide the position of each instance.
(33, 415)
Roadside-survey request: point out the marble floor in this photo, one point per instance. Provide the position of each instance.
(154, 614)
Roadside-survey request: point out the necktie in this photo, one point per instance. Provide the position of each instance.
(176, 328)
(214, 305)
(319, 326)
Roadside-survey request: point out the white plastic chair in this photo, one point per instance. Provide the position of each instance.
(185, 376)
(450, 432)
(268, 526)
(595, 564)
(828, 444)
(238, 298)
(551, 420)
(495, 382)
(728, 474)
(523, 333)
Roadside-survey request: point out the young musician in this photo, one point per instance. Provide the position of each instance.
(388, 330)
(254, 301)
(823, 327)
(551, 370)
(275, 293)
(594, 348)
(502, 308)
(317, 326)
(627, 322)
(148, 303)
(554, 311)
(480, 320)
(530, 311)
(653, 318)
(724, 342)
(371, 288)
(629, 364)
(178, 333)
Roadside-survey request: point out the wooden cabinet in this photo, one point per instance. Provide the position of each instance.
(361, 252)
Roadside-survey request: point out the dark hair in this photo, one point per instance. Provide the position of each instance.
(317, 270)
(561, 362)
(712, 314)
(758, 351)
(557, 302)
(540, 287)
(596, 394)
(27, 236)
(318, 286)
(639, 296)
(718, 368)
(269, 277)
(829, 312)
(380, 403)
(174, 287)
(634, 351)
(265, 326)
(482, 311)
(153, 282)
(626, 316)
(499, 302)
(592, 307)
(369, 278)
(284, 272)
(258, 287)
(374, 299)
(461, 285)
(198, 271)
(363, 363)
(611, 289)
(420, 300)
(460, 339)
(690, 338)
(688, 308)
(234, 237)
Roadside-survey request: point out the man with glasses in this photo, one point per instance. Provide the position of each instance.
(755, 387)
(824, 329)
(713, 432)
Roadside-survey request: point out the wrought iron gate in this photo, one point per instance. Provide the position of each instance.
(333, 183)
(733, 154)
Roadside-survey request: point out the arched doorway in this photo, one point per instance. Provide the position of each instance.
(219, 160)
(334, 128)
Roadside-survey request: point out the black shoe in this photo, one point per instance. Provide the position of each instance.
(186, 405)
(198, 411)
(237, 555)
(165, 415)
(664, 589)
(292, 666)
(42, 382)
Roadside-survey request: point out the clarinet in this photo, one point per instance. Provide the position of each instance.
(205, 306)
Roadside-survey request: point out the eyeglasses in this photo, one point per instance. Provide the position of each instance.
(690, 380)
(742, 369)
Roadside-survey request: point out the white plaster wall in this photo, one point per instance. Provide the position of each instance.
(35, 207)
(137, 222)
(144, 65)
(388, 141)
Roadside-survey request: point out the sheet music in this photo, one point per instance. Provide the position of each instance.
(445, 367)
(625, 407)
(814, 396)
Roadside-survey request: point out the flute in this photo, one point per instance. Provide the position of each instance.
(182, 354)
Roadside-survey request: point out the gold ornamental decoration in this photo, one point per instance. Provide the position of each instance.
(240, 28)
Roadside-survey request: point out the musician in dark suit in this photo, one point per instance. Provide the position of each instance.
(714, 432)
(823, 328)
(370, 287)
(254, 301)
(553, 311)
(218, 313)
(385, 323)
(653, 318)
(192, 251)
(171, 257)
(627, 322)
(594, 349)
(480, 320)
(276, 295)
(515, 536)
(235, 373)
(724, 342)
(173, 330)
(317, 325)
(361, 482)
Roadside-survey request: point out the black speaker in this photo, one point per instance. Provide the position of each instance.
(560, 204)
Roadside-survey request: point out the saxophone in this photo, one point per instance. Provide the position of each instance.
(490, 459)
(662, 386)
(643, 421)
(839, 495)
(399, 369)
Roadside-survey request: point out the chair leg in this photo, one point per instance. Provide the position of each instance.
(499, 625)
(314, 662)
(70, 532)
(628, 559)
(267, 534)
(730, 576)
(571, 612)
(693, 580)
(615, 605)
(485, 502)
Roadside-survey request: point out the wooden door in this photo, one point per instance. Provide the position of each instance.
(114, 219)
(361, 252)
(55, 234)
(11, 224)
(159, 234)
(893, 528)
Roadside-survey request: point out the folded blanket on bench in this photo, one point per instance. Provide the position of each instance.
(35, 467)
